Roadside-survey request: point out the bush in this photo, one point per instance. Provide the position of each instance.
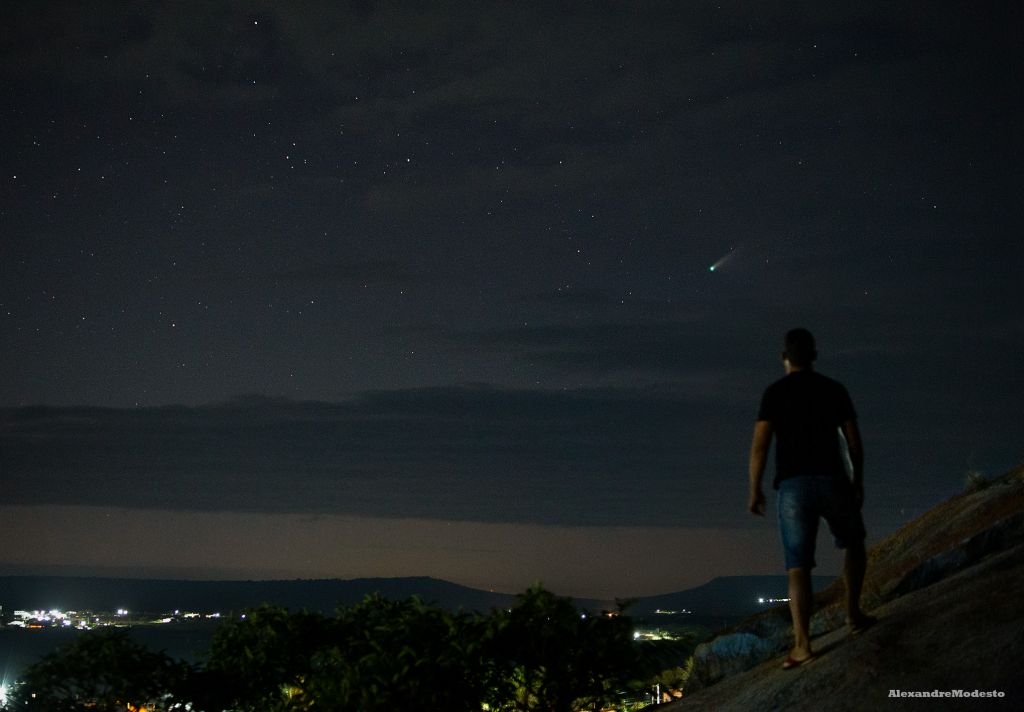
(976, 481)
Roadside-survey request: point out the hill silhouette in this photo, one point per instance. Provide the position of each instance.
(152, 595)
(722, 597)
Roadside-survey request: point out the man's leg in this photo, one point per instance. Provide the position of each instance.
(798, 525)
(801, 601)
(854, 567)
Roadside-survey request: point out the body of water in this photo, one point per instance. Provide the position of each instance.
(19, 647)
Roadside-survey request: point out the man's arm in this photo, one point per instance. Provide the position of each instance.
(856, 449)
(758, 459)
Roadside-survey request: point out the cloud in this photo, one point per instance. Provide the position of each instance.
(714, 362)
(452, 453)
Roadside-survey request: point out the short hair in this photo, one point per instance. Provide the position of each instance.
(800, 349)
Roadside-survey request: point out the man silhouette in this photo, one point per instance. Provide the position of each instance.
(808, 413)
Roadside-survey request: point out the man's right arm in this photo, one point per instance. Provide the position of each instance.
(758, 457)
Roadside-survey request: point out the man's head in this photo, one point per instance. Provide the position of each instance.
(799, 351)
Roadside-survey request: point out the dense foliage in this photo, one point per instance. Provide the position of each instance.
(100, 671)
(542, 654)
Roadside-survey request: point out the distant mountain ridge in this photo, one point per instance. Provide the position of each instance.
(153, 595)
(723, 597)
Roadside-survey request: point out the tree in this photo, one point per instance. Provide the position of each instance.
(401, 655)
(262, 662)
(558, 658)
(378, 655)
(100, 671)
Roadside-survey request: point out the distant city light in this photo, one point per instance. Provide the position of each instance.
(86, 620)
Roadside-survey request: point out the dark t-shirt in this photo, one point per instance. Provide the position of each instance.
(806, 410)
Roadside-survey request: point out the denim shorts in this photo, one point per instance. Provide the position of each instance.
(803, 502)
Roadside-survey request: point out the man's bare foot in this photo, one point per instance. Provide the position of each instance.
(797, 658)
(860, 622)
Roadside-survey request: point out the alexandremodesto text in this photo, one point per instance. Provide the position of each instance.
(946, 693)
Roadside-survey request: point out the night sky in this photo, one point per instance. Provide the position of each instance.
(333, 289)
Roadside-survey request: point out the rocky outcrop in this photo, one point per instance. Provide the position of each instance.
(730, 653)
(946, 588)
(1004, 534)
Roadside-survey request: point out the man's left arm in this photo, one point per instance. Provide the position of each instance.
(758, 459)
(855, 446)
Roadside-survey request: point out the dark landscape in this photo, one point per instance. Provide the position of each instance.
(721, 601)
(944, 588)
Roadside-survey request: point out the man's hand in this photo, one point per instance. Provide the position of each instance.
(756, 504)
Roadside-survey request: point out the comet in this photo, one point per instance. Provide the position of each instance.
(718, 264)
